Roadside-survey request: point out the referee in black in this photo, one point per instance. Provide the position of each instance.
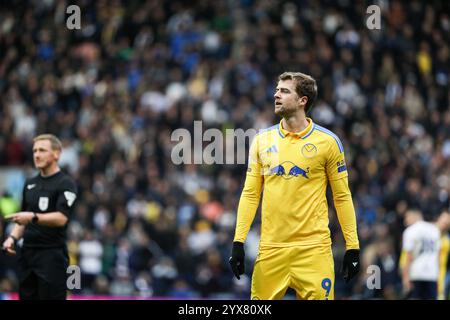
(47, 203)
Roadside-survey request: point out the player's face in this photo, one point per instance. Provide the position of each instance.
(444, 221)
(287, 101)
(43, 154)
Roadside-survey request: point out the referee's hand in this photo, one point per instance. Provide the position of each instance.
(237, 259)
(8, 247)
(21, 218)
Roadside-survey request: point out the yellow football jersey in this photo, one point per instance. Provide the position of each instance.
(293, 170)
(443, 257)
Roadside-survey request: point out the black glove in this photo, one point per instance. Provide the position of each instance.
(237, 259)
(350, 266)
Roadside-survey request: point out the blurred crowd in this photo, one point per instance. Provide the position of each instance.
(115, 90)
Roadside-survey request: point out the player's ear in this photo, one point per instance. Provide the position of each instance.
(56, 154)
(303, 100)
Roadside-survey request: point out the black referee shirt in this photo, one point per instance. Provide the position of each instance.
(57, 192)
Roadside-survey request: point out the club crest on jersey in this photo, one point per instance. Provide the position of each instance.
(309, 150)
(43, 203)
(289, 170)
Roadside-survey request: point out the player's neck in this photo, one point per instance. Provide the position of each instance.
(49, 171)
(295, 123)
(416, 220)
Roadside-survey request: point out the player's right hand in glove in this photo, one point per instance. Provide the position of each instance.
(237, 259)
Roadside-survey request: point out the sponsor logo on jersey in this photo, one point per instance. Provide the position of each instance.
(289, 170)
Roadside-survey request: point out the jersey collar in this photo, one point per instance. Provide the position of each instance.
(50, 176)
(301, 135)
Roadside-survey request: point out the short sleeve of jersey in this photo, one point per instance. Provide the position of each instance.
(254, 161)
(408, 241)
(23, 204)
(66, 197)
(336, 166)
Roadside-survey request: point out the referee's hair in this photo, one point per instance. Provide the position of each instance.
(54, 141)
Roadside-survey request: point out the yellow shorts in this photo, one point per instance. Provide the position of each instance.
(307, 270)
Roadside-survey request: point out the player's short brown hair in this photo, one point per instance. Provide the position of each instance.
(54, 141)
(305, 85)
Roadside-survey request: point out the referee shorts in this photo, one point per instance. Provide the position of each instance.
(43, 273)
(307, 270)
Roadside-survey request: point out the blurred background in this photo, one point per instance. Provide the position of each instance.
(116, 89)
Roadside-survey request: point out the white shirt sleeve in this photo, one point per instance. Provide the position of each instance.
(408, 240)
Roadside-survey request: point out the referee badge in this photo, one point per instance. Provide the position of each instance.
(309, 150)
(43, 203)
(70, 197)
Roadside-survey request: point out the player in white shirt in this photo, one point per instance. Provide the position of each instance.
(421, 243)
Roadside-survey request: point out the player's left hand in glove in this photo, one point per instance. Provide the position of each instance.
(350, 266)
(237, 259)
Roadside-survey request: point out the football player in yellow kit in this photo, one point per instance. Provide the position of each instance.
(443, 224)
(293, 162)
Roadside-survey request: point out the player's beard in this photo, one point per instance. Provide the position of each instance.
(284, 112)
